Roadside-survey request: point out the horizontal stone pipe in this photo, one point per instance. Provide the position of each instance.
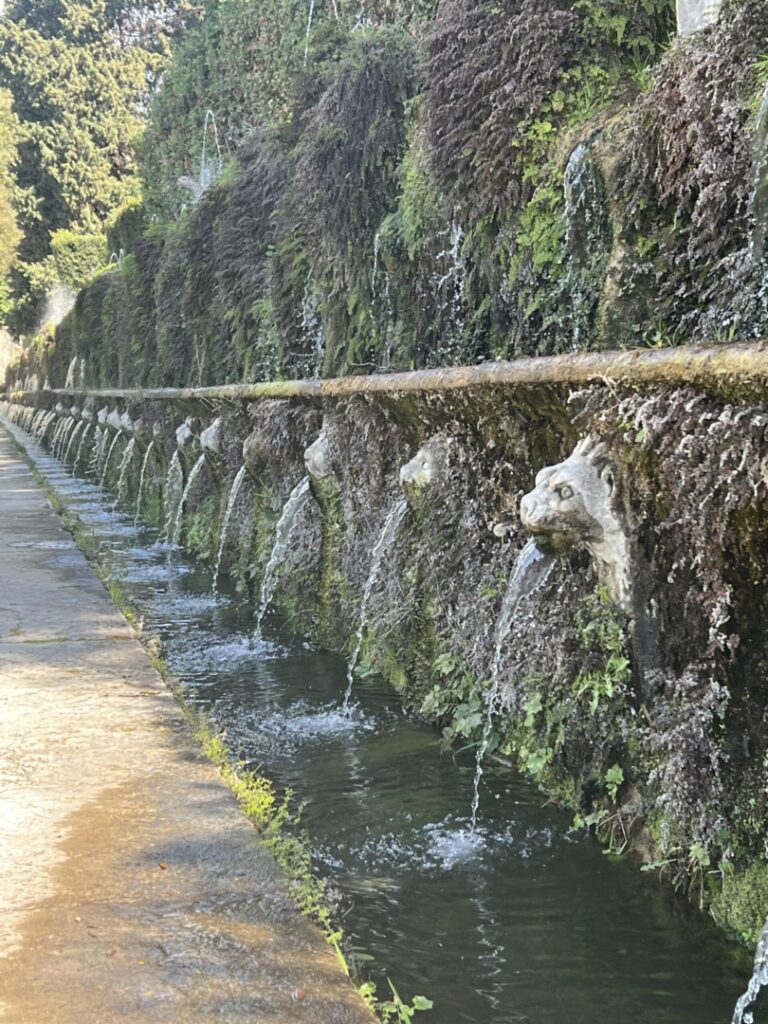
(744, 363)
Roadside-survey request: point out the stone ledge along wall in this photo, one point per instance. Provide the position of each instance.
(634, 675)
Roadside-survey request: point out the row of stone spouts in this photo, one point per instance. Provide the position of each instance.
(65, 430)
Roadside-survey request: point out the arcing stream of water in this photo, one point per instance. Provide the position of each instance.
(142, 478)
(72, 438)
(387, 536)
(193, 475)
(172, 494)
(534, 924)
(125, 463)
(234, 490)
(523, 580)
(105, 469)
(282, 536)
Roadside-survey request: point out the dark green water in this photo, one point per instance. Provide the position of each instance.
(530, 922)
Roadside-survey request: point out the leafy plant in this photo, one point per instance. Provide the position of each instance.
(614, 779)
(603, 633)
(457, 698)
(395, 1009)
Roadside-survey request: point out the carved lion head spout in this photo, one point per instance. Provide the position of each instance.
(317, 458)
(572, 505)
(428, 466)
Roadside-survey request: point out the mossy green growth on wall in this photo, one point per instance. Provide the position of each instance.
(202, 529)
(741, 904)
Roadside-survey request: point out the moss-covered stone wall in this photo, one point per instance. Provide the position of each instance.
(648, 720)
(435, 185)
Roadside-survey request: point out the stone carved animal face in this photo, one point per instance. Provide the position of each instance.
(426, 467)
(317, 458)
(572, 504)
(210, 438)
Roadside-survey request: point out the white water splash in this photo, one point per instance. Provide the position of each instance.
(522, 583)
(283, 531)
(742, 1013)
(449, 846)
(392, 523)
(304, 722)
(237, 483)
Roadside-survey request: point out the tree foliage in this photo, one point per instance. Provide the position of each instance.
(80, 74)
(10, 235)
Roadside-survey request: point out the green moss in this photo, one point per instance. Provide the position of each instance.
(333, 586)
(742, 903)
(201, 538)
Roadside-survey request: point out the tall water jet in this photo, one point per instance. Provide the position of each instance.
(72, 370)
(312, 327)
(125, 462)
(450, 287)
(105, 470)
(381, 304)
(172, 492)
(237, 483)
(210, 168)
(282, 535)
(742, 1014)
(587, 240)
(531, 570)
(142, 475)
(309, 30)
(387, 537)
(196, 469)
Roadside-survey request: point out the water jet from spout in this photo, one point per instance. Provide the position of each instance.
(283, 532)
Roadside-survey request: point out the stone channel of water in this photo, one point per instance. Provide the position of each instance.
(534, 924)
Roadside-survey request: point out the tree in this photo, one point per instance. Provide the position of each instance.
(81, 74)
(10, 235)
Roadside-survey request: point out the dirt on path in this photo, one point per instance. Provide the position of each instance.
(132, 888)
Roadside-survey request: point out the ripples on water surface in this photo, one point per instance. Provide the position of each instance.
(524, 921)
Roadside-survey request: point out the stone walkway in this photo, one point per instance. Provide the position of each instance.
(131, 886)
